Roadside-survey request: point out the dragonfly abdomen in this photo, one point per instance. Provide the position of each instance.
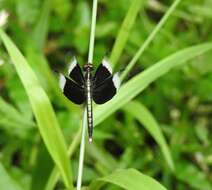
(89, 104)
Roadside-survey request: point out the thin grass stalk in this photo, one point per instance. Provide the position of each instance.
(84, 122)
(149, 39)
(92, 34)
(82, 151)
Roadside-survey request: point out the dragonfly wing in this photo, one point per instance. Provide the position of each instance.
(72, 90)
(75, 72)
(104, 92)
(103, 72)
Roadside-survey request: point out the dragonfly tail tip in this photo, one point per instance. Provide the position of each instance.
(90, 139)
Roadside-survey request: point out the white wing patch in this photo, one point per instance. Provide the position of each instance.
(72, 65)
(3, 17)
(116, 81)
(106, 64)
(62, 82)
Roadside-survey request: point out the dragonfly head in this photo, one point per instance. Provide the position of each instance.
(88, 66)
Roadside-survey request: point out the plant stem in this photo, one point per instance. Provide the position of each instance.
(92, 34)
(84, 123)
(82, 151)
(149, 39)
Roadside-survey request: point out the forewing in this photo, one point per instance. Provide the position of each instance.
(103, 72)
(71, 90)
(75, 72)
(106, 90)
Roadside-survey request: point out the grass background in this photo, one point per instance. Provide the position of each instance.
(49, 32)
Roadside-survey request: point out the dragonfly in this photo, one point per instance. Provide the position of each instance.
(82, 87)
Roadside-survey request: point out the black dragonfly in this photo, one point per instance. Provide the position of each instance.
(82, 87)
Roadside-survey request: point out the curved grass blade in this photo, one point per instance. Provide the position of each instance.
(6, 182)
(150, 38)
(34, 53)
(129, 179)
(54, 177)
(148, 121)
(41, 29)
(43, 111)
(138, 83)
(125, 31)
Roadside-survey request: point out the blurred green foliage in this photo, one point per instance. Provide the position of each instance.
(181, 101)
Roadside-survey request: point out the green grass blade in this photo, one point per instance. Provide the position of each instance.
(92, 33)
(129, 179)
(41, 29)
(6, 181)
(148, 121)
(150, 38)
(43, 111)
(138, 83)
(125, 31)
(54, 177)
(7, 110)
(36, 58)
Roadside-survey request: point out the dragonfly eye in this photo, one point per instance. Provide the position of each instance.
(88, 66)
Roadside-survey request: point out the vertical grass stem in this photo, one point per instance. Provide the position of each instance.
(82, 151)
(84, 123)
(92, 34)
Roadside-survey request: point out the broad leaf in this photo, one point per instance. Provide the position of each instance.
(129, 179)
